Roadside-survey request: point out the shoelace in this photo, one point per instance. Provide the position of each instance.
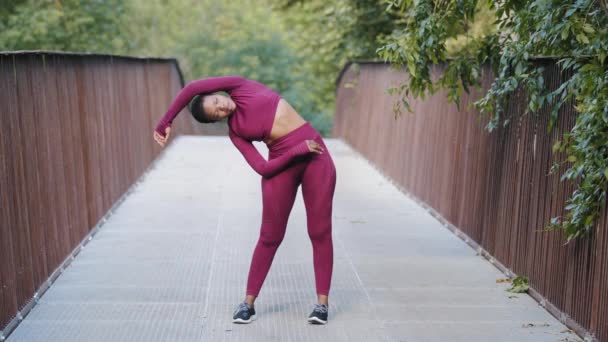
(320, 308)
(242, 307)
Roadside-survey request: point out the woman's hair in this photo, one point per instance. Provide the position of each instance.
(196, 108)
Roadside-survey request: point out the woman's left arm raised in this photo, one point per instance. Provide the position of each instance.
(202, 86)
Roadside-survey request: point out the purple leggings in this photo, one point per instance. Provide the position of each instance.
(317, 174)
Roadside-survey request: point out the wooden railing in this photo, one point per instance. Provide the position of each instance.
(75, 134)
(492, 189)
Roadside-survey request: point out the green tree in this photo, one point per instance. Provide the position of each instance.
(228, 40)
(70, 25)
(8, 7)
(327, 34)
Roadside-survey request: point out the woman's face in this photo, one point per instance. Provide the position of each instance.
(217, 107)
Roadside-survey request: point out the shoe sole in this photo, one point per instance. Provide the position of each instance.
(240, 320)
(315, 320)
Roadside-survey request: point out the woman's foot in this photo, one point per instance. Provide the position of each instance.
(244, 313)
(318, 314)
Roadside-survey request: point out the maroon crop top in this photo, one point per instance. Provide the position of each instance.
(252, 120)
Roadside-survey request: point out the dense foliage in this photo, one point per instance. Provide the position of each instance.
(63, 25)
(575, 32)
(330, 33)
(232, 41)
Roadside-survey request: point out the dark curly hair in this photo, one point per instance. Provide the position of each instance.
(196, 108)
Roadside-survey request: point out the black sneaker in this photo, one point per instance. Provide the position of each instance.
(243, 313)
(318, 314)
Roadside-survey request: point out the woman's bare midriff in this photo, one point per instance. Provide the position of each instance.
(286, 120)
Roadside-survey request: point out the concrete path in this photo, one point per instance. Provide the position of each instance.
(171, 265)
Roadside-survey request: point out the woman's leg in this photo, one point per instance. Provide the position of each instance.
(318, 185)
(278, 196)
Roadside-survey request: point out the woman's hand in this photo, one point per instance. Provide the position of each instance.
(160, 139)
(314, 146)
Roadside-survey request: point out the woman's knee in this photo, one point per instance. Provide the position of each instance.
(271, 239)
(318, 232)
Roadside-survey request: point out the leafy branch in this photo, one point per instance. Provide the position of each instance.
(574, 32)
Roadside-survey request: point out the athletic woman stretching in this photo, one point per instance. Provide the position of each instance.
(297, 155)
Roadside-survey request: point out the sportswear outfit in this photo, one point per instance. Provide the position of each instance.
(289, 165)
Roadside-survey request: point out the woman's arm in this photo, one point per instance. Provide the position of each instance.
(258, 163)
(202, 86)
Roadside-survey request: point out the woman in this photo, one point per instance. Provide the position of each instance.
(297, 155)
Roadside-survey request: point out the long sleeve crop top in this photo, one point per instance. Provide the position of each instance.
(256, 105)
